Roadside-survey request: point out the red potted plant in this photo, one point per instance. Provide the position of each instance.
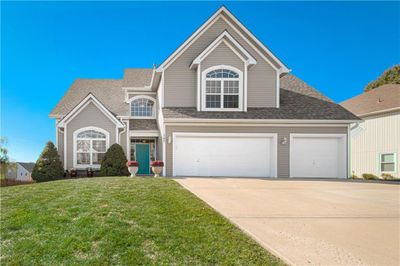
(133, 167)
(156, 167)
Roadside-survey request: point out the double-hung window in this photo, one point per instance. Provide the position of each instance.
(90, 147)
(387, 162)
(222, 90)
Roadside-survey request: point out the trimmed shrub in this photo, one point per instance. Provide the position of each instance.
(48, 166)
(387, 176)
(114, 162)
(369, 176)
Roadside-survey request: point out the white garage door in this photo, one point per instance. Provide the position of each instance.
(318, 156)
(223, 154)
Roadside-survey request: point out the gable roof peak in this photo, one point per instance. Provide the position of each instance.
(263, 50)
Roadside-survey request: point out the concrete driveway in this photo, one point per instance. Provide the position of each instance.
(311, 222)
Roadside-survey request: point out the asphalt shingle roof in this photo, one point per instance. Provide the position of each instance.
(293, 105)
(108, 91)
(143, 124)
(28, 166)
(298, 101)
(382, 98)
(137, 77)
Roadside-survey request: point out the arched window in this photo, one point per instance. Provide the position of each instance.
(142, 107)
(222, 88)
(90, 145)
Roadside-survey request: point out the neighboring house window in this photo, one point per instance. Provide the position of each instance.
(222, 89)
(387, 162)
(90, 145)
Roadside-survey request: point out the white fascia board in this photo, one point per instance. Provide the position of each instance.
(205, 26)
(55, 116)
(257, 121)
(77, 109)
(221, 39)
(379, 112)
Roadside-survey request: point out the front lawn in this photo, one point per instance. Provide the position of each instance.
(118, 220)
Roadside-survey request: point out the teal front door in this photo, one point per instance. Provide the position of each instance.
(143, 158)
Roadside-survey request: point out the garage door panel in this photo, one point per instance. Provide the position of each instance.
(222, 156)
(321, 157)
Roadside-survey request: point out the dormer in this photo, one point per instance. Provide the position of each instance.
(221, 67)
(222, 75)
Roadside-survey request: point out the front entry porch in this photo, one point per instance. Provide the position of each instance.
(143, 150)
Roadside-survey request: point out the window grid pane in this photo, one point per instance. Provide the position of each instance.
(99, 146)
(222, 73)
(389, 157)
(231, 87)
(213, 101)
(83, 158)
(213, 86)
(387, 167)
(91, 134)
(231, 101)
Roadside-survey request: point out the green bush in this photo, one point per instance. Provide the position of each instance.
(369, 176)
(48, 166)
(114, 162)
(387, 176)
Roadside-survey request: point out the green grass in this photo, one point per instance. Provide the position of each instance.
(118, 220)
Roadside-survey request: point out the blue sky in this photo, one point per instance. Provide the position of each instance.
(337, 47)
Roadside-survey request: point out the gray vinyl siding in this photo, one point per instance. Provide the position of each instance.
(222, 55)
(60, 148)
(180, 82)
(283, 150)
(89, 116)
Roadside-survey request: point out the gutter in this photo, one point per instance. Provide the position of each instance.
(257, 121)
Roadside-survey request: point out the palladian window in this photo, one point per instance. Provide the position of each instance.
(222, 89)
(90, 147)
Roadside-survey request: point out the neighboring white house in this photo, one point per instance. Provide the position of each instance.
(375, 144)
(22, 171)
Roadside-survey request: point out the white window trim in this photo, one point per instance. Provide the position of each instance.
(143, 97)
(203, 89)
(394, 162)
(76, 132)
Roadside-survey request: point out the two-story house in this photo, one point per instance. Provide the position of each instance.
(222, 104)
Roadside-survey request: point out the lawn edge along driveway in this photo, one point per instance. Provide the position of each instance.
(119, 220)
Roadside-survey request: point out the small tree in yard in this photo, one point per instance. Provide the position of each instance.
(48, 166)
(114, 162)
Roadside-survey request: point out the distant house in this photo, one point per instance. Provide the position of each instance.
(21, 171)
(375, 142)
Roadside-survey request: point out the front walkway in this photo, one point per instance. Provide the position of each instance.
(311, 222)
